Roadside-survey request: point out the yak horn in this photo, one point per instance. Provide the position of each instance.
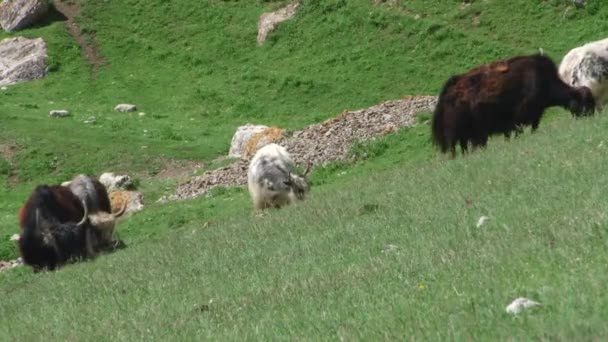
(86, 214)
(121, 211)
(308, 168)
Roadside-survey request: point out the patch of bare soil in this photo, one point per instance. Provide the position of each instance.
(89, 50)
(177, 168)
(320, 143)
(8, 152)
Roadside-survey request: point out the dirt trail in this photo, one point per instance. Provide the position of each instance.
(88, 48)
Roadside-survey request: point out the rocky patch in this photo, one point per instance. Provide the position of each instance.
(320, 143)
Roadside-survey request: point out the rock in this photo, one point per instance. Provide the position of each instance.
(4, 88)
(15, 237)
(132, 201)
(261, 139)
(90, 120)
(60, 113)
(520, 304)
(578, 3)
(7, 265)
(269, 21)
(482, 220)
(116, 182)
(125, 107)
(241, 137)
(18, 14)
(22, 60)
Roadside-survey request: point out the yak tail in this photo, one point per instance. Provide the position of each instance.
(438, 129)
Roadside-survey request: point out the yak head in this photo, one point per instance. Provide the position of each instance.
(582, 102)
(299, 184)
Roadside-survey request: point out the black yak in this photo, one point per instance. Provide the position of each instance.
(57, 228)
(502, 97)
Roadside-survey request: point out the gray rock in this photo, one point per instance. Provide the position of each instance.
(59, 113)
(241, 137)
(125, 107)
(18, 14)
(269, 21)
(22, 60)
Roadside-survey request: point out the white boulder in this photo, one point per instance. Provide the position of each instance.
(269, 21)
(18, 14)
(22, 59)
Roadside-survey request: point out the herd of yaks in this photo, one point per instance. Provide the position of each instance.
(74, 221)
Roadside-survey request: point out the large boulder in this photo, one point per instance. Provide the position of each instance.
(269, 21)
(249, 138)
(240, 138)
(22, 60)
(18, 14)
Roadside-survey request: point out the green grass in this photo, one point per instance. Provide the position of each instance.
(206, 268)
(318, 271)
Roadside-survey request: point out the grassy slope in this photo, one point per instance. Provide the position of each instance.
(198, 79)
(319, 271)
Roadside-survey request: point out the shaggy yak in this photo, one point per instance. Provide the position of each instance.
(502, 97)
(56, 228)
(271, 179)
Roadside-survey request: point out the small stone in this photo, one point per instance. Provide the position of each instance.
(482, 220)
(90, 120)
(520, 304)
(141, 114)
(125, 107)
(4, 88)
(61, 113)
(15, 237)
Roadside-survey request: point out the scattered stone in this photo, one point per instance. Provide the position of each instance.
(314, 145)
(125, 107)
(18, 14)
(90, 120)
(116, 182)
(15, 237)
(578, 3)
(482, 220)
(241, 137)
(22, 60)
(269, 21)
(60, 113)
(520, 304)
(132, 201)
(3, 88)
(389, 248)
(141, 114)
(7, 265)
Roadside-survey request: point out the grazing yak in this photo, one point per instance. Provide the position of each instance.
(271, 181)
(56, 227)
(502, 97)
(587, 66)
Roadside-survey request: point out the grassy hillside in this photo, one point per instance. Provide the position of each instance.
(205, 268)
(324, 270)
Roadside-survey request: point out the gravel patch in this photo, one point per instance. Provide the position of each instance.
(320, 143)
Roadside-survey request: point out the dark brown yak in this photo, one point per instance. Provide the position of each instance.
(502, 97)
